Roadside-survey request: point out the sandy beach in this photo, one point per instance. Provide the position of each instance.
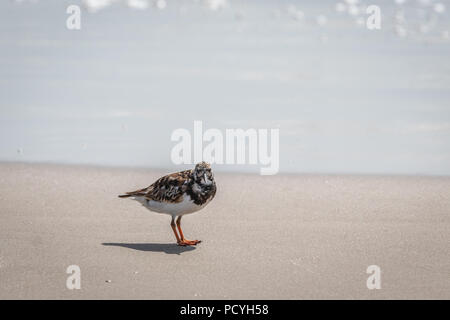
(264, 237)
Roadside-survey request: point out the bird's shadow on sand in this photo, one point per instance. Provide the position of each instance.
(169, 248)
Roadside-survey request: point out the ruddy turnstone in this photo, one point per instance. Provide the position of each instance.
(178, 194)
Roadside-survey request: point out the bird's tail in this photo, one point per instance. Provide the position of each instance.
(140, 192)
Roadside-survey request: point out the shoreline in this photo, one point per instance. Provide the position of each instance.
(166, 170)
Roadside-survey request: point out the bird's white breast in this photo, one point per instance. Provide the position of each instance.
(185, 206)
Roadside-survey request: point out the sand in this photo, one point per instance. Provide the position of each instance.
(264, 237)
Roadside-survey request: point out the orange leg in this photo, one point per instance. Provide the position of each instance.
(184, 242)
(172, 224)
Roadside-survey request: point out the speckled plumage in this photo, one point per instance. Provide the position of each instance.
(172, 187)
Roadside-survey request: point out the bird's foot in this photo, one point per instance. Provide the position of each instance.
(188, 242)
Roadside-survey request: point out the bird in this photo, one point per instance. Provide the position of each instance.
(177, 194)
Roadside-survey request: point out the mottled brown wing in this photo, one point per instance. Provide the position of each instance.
(169, 188)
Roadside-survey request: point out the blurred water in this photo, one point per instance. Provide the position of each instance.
(346, 99)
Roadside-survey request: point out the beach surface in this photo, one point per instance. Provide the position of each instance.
(264, 237)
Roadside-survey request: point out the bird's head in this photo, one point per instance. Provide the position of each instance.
(203, 174)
